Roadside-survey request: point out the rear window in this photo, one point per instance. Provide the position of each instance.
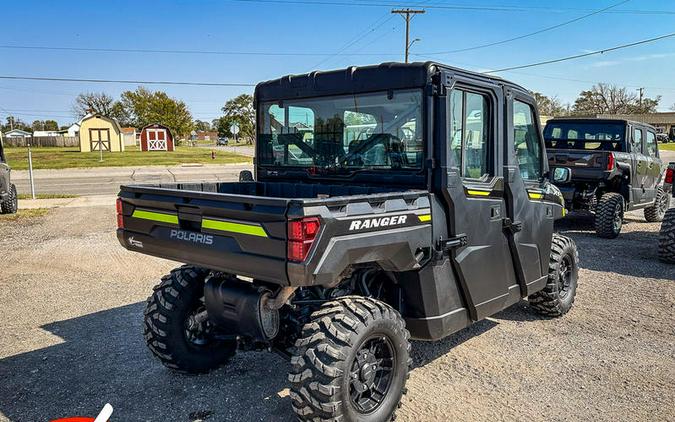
(604, 136)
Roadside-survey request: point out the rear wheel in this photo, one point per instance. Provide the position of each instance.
(173, 330)
(561, 287)
(609, 215)
(351, 362)
(656, 212)
(667, 238)
(11, 204)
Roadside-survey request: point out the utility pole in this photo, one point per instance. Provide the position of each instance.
(407, 14)
(642, 91)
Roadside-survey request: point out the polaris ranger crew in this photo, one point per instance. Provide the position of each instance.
(390, 202)
(613, 167)
(667, 233)
(9, 203)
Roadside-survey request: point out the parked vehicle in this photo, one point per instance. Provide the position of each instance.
(222, 141)
(9, 203)
(434, 213)
(662, 138)
(614, 167)
(667, 233)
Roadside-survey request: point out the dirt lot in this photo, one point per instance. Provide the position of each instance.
(71, 301)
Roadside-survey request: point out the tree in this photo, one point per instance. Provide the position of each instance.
(611, 99)
(93, 102)
(14, 123)
(238, 110)
(550, 106)
(51, 125)
(38, 125)
(143, 107)
(202, 125)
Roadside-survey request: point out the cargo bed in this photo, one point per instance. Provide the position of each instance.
(241, 227)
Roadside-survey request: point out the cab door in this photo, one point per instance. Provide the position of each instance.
(640, 166)
(654, 165)
(474, 190)
(530, 216)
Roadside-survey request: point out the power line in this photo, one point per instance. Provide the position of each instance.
(114, 81)
(578, 56)
(520, 37)
(407, 14)
(458, 6)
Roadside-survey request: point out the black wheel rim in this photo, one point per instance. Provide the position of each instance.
(618, 219)
(371, 373)
(197, 333)
(565, 275)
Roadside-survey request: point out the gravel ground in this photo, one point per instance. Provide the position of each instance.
(70, 340)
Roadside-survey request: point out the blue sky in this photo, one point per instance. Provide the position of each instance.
(221, 25)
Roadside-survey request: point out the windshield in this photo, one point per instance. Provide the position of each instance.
(606, 136)
(343, 134)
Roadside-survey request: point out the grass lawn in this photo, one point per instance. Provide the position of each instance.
(60, 158)
(667, 147)
(24, 214)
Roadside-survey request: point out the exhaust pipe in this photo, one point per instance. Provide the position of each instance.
(239, 308)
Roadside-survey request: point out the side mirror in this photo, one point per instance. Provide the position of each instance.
(245, 176)
(562, 175)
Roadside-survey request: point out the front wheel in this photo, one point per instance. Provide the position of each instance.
(173, 331)
(351, 362)
(655, 213)
(561, 287)
(667, 238)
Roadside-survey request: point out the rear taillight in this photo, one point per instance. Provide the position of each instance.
(670, 173)
(120, 217)
(301, 235)
(611, 161)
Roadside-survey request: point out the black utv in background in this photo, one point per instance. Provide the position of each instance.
(389, 202)
(667, 234)
(8, 197)
(607, 167)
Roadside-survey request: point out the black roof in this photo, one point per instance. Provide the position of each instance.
(358, 79)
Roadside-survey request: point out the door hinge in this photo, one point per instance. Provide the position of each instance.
(512, 226)
(452, 243)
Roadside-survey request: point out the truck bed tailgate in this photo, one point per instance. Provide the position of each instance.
(232, 233)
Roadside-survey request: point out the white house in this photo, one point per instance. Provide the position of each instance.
(72, 131)
(17, 133)
(39, 133)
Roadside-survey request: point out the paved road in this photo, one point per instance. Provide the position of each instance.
(107, 180)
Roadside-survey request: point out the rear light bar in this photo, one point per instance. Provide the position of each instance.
(611, 161)
(120, 217)
(301, 235)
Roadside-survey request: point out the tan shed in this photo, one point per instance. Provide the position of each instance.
(100, 132)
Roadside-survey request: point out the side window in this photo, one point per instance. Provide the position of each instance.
(2, 152)
(636, 142)
(468, 133)
(651, 144)
(526, 141)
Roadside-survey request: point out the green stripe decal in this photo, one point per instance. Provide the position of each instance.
(228, 226)
(155, 216)
(424, 217)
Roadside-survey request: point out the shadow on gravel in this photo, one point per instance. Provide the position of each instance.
(425, 352)
(103, 359)
(634, 253)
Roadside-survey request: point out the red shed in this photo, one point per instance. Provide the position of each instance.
(156, 137)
